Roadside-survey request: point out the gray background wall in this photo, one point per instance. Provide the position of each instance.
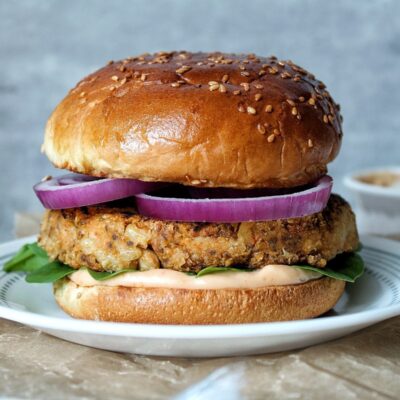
(47, 46)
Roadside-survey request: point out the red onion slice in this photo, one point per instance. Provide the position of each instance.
(299, 204)
(228, 193)
(76, 190)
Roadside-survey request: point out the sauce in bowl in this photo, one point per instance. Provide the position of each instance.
(383, 179)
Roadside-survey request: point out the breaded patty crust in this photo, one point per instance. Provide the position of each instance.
(111, 238)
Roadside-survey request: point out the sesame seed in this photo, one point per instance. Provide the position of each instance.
(213, 87)
(242, 67)
(331, 118)
(310, 143)
(251, 110)
(245, 73)
(291, 102)
(123, 81)
(326, 119)
(115, 78)
(82, 94)
(122, 68)
(241, 108)
(46, 178)
(175, 84)
(271, 138)
(258, 97)
(195, 182)
(261, 129)
(294, 111)
(276, 132)
(143, 77)
(211, 83)
(259, 86)
(183, 69)
(273, 70)
(225, 78)
(301, 99)
(246, 86)
(287, 75)
(281, 63)
(222, 88)
(268, 108)
(297, 79)
(236, 92)
(261, 72)
(200, 63)
(112, 88)
(311, 101)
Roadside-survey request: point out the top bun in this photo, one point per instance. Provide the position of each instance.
(212, 120)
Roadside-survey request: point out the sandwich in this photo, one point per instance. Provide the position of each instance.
(197, 193)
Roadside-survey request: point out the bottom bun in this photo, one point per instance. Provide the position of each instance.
(184, 306)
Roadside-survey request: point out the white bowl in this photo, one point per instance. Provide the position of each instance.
(377, 207)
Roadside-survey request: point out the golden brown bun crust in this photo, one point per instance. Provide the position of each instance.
(192, 307)
(198, 119)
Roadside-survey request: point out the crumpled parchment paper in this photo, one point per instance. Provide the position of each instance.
(364, 365)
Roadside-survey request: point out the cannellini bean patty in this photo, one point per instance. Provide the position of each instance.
(113, 237)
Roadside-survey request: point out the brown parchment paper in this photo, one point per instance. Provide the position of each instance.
(364, 365)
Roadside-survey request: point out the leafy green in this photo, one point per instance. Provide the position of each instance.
(345, 267)
(50, 272)
(37, 250)
(102, 276)
(29, 258)
(215, 270)
(34, 261)
(15, 263)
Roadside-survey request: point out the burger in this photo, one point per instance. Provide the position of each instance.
(197, 194)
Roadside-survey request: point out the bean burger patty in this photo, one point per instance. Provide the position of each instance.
(114, 237)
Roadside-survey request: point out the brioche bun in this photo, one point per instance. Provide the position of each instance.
(192, 307)
(212, 120)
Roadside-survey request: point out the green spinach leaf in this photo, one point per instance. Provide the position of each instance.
(102, 275)
(215, 270)
(345, 267)
(49, 273)
(37, 250)
(16, 263)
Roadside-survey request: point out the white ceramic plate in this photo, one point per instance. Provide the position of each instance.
(373, 298)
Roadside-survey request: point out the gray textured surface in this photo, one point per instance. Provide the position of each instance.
(47, 46)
